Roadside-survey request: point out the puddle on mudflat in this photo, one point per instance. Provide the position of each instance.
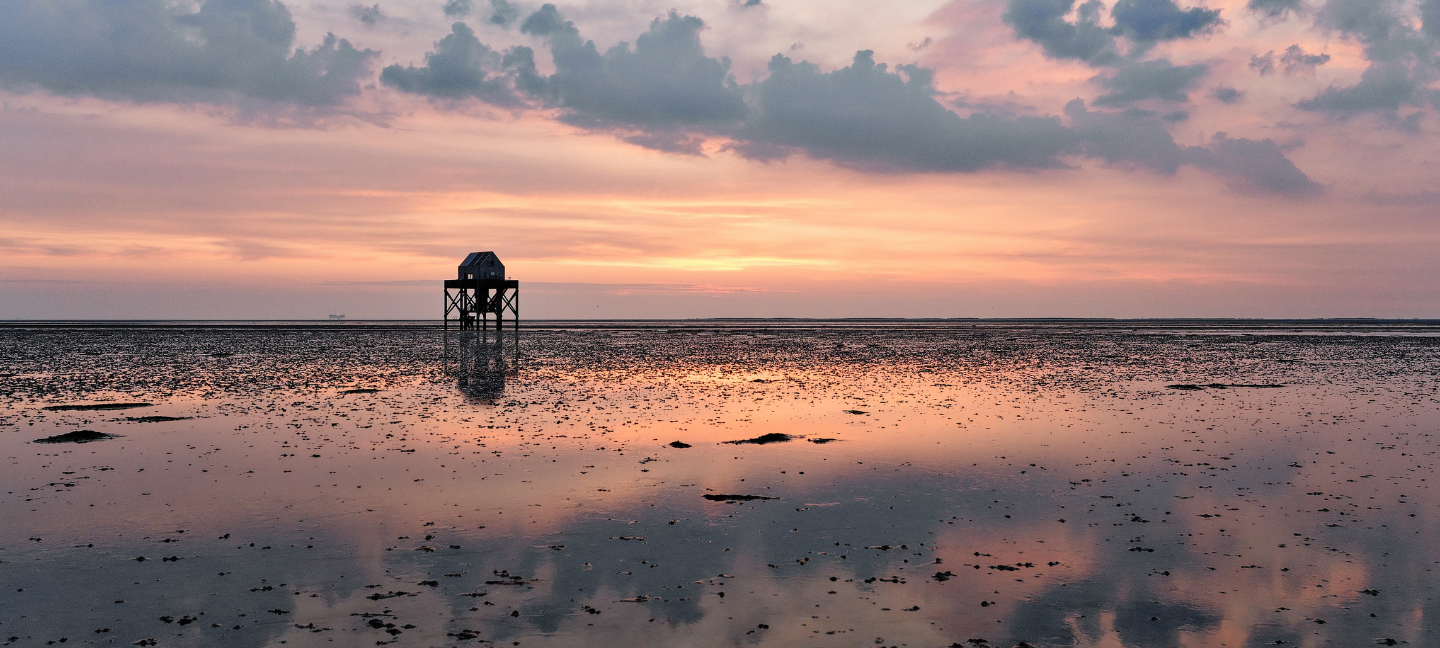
(907, 485)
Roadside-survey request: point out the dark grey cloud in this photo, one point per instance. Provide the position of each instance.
(866, 116)
(1263, 63)
(665, 80)
(1150, 21)
(1404, 58)
(1254, 166)
(1378, 24)
(1382, 87)
(458, 8)
(1134, 138)
(665, 93)
(1295, 60)
(1157, 79)
(1128, 139)
(1430, 17)
(155, 50)
(670, 141)
(460, 67)
(1142, 23)
(502, 12)
(1227, 95)
(1043, 21)
(1276, 8)
(368, 16)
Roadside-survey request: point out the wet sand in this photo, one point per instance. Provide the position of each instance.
(931, 484)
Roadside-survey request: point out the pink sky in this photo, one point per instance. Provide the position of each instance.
(202, 180)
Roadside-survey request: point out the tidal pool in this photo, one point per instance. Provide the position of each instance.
(916, 484)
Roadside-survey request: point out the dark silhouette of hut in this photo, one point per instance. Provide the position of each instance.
(479, 290)
(481, 265)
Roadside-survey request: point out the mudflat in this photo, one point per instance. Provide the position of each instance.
(779, 483)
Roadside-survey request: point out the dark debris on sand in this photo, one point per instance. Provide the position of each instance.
(78, 436)
(773, 437)
(96, 407)
(736, 498)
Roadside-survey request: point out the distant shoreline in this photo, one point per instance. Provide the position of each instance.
(1225, 325)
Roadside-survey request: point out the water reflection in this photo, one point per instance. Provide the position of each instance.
(1034, 487)
(481, 359)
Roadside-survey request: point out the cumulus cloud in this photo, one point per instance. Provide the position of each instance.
(665, 80)
(1378, 24)
(1403, 58)
(458, 8)
(1157, 79)
(368, 16)
(1130, 138)
(867, 116)
(461, 66)
(154, 50)
(1142, 23)
(1250, 165)
(502, 12)
(1295, 60)
(1149, 21)
(1382, 87)
(667, 94)
(1135, 138)
(1275, 8)
(1227, 95)
(1043, 21)
(1263, 63)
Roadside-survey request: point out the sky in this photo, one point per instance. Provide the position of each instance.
(257, 159)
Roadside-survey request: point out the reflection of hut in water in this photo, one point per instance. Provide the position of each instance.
(480, 290)
(482, 385)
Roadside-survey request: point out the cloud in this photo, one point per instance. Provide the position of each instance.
(458, 8)
(502, 12)
(1294, 61)
(1375, 23)
(1263, 63)
(666, 94)
(152, 50)
(1150, 21)
(1157, 79)
(1142, 22)
(1043, 21)
(1382, 87)
(1227, 95)
(1127, 139)
(866, 116)
(665, 80)
(1255, 166)
(460, 67)
(1135, 138)
(1430, 17)
(1275, 8)
(1403, 58)
(368, 16)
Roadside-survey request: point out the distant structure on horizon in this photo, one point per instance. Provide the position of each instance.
(480, 289)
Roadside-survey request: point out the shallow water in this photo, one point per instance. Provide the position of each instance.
(983, 484)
